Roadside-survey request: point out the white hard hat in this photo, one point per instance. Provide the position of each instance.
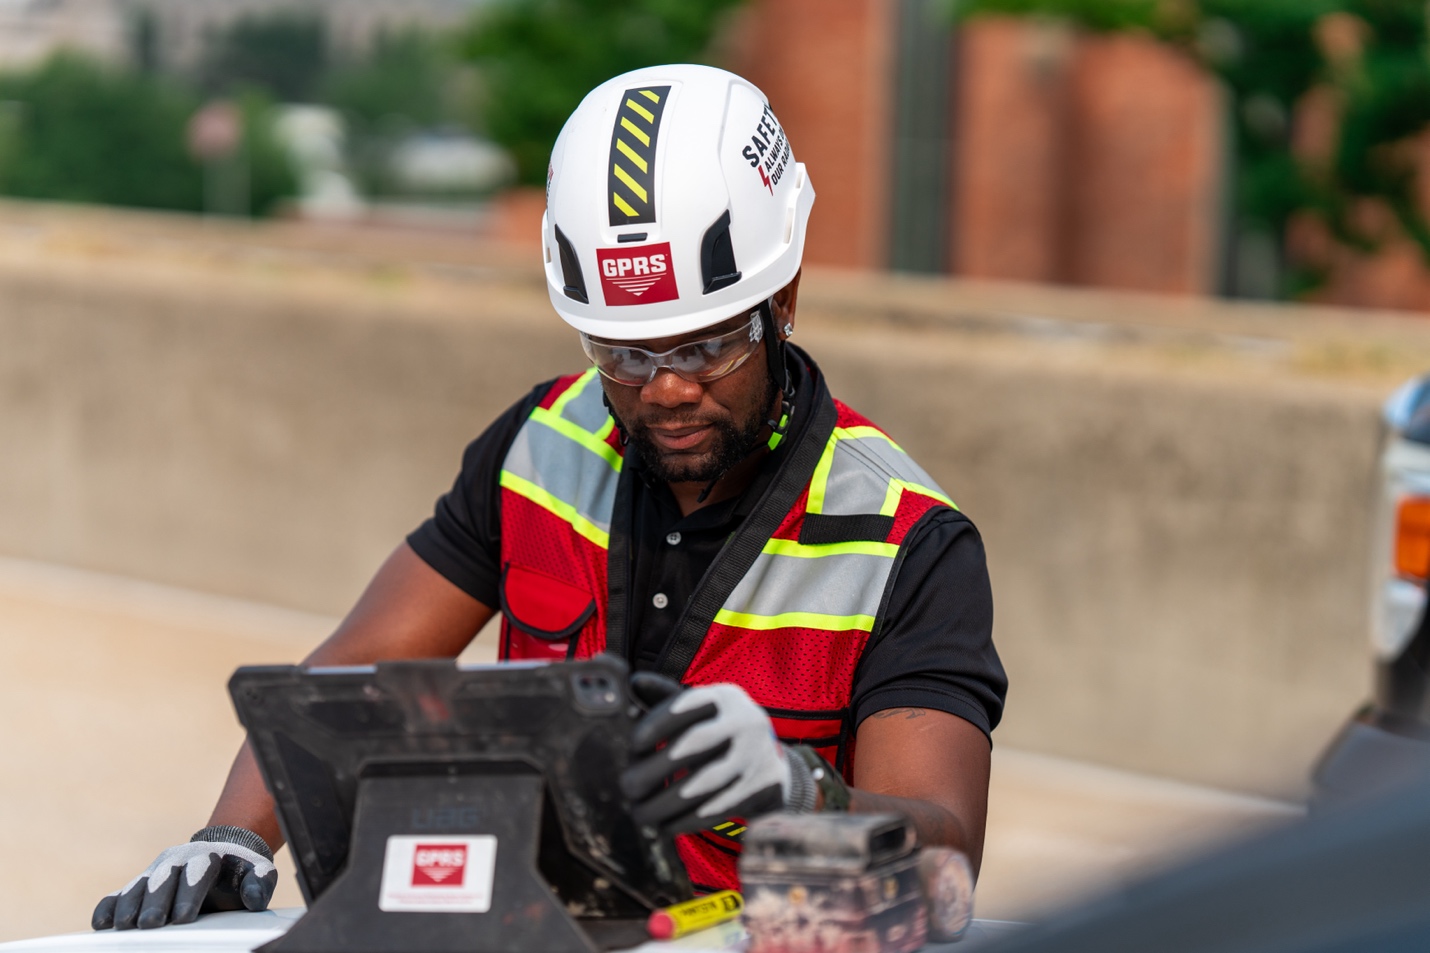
(673, 202)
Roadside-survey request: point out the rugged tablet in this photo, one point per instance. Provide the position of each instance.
(434, 808)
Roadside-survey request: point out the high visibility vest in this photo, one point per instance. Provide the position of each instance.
(784, 611)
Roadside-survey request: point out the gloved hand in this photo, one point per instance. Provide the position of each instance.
(221, 868)
(736, 766)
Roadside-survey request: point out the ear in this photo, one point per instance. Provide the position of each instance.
(782, 305)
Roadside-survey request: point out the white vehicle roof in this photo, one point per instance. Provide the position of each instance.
(241, 932)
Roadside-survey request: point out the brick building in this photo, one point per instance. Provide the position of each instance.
(1013, 150)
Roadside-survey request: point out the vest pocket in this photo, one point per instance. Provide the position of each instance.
(543, 606)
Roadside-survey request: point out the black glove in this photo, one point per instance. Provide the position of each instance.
(705, 754)
(221, 868)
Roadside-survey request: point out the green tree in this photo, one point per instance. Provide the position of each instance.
(84, 133)
(77, 131)
(538, 58)
(408, 81)
(284, 53)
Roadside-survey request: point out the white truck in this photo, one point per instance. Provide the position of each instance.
(1387, 742)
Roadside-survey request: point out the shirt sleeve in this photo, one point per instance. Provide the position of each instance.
(462, 538)
(935, 649)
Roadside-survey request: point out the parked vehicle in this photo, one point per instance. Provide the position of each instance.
(1387, 742)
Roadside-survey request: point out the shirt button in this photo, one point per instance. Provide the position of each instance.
(673, 539)
(660, 601)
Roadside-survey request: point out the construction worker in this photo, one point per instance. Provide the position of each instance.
(696, 503)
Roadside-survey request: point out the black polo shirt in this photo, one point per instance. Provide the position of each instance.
(934, 649)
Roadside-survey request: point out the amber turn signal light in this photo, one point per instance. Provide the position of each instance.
(1412, 538)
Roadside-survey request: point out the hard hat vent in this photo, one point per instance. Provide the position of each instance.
(717, 256)
(574, 282)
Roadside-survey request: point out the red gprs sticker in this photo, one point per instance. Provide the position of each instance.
(439, 865)
(637, 274)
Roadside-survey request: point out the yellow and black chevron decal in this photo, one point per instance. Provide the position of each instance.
(730, 829)
(631, 180)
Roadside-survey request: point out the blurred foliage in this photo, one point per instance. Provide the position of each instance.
(406, 77)
(73, 130)
(408, 81)
(284, 52)
(1373, 56)
(539, 58)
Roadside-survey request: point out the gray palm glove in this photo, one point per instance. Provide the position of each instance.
(705, 754)
(221, 868)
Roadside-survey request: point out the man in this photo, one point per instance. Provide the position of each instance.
(696, 503)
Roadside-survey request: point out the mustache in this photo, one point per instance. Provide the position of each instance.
(647, 421)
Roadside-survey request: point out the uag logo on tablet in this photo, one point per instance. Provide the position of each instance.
(436, 865)
(639, 274)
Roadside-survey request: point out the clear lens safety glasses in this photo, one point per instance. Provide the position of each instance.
(699, 361)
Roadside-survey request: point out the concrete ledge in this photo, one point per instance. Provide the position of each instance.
(1173, 493)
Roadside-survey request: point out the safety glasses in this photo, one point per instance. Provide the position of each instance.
(699, 361)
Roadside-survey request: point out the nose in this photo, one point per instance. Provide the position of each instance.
(668, 389)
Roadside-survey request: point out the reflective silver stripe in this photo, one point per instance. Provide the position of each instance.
(836, 586)
(562, 463)
(861, 468)
(585, 408)
(566, 470)
(840, 585)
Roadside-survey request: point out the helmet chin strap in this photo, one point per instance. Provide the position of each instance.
(779, 373)
(620, 427)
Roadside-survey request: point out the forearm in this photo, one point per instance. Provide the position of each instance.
(245, 801)
(935, 825)
(930, 766)
(407, 611)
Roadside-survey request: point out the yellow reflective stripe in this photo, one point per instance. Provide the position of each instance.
(558, 508)
(635, 130)
(631, 154)
(623, 205)
(865, 433)
(640, 110)
(594, 442)
(820, 481)
(631, 183)
(796, 620)
(861, 547)
(650, 95)
(574, 391)
(896, 493)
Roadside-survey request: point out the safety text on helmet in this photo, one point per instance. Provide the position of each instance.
(637, 274)
(768, 152)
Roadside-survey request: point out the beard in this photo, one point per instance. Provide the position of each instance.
(734, 438)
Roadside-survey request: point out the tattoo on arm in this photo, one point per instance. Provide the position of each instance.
(907, 713)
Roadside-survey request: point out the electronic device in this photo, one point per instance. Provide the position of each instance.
(433, 808)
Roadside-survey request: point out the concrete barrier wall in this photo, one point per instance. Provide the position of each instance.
(1177, 542)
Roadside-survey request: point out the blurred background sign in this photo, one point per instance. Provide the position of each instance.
(215, 131)
(215, 138)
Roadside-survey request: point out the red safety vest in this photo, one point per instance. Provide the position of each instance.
(787, 607)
